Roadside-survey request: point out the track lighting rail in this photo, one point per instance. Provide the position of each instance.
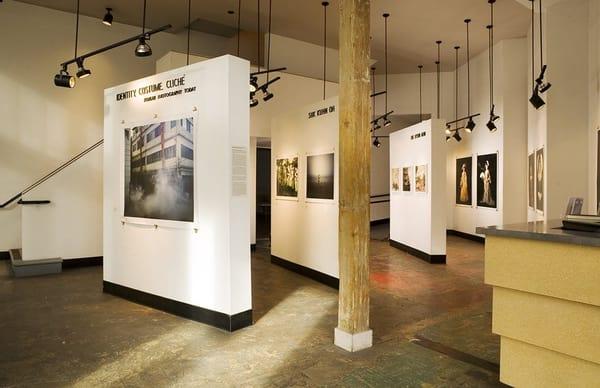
(267, 71)
(115, 45)
(378, 93)
(383, 116)
(463, 118)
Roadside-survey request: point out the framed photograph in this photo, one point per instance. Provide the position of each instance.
(539, 180)
(531, 180)
(421, 178)
(406, 179)
(487, 180)
(320, 176)
(395, 180)
(158, 170)
(464, 174)
(287, 177)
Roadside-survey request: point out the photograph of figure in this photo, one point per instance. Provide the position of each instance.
(395, 180)
(464, 169)
(406, 179)
(287, 177)
(159, 170)
(539, 181)
(487, 182)
(531, 181)
(320, 176)
(421, 179)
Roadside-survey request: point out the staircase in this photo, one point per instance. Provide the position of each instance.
(18, 266)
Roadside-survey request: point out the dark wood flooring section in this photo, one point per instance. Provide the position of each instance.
(61, 330)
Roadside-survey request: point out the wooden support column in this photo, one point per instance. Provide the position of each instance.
(353, 331)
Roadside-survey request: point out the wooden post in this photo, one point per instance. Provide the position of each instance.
(353, 331)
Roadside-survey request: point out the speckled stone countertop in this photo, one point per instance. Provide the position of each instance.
(550, 231)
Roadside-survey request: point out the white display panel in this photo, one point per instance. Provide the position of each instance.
(304, 230)
(417, 216)
(204, 263)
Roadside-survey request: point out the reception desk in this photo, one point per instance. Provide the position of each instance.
(546, 303)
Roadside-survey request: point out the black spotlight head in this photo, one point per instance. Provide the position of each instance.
(448, 138)
(376, 126)
(253, 84)
(470, 125)
(376, 142)
(143, 49)
(82, 72)
(108, 18)
(253, 100)
(457, 136)
(491, 126)
(267, 95)
(448, 131)
(386, 122)
(536, 100)
(64, 80)
(545, 86)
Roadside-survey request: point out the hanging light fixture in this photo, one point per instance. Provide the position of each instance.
(64, 79)
(536, 100)
(143, 49)
(493, 117)
(543, 85)
(438, 65)
(470, 123)
(239, 26)
(420, 93)
(82, 72)
(456, 129)
(108, 17)
(386, 120)
(376, 142)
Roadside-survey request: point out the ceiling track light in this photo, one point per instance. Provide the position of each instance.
(63, 79)
(143, 48)
(457, 136)
(539, 85)
(493, 117)
(108, 17)
(438, 64)
(470, 126)
(385, 18)
(376, 142)
(420, 93)
(456, 48)
(383, 116)
(82, 72)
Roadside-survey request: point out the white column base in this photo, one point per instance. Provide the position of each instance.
(353, 342)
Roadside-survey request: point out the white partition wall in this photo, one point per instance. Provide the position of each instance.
(418, 204)
(304, 231)
(198, 268)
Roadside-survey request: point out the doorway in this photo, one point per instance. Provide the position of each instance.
(263, 196)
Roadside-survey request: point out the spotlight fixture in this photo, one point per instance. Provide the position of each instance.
(82, 72)
(448, 130)
(490, 124)
(376, 142)
(267, 95)
(108, 18)
(63, 79)
(386, 121)
(376, 126)
(448, 138)
(143, 48)
(470, 125)
(457, 136)
(253, 100)
(535, 99)
(544, 86)
(253, 84)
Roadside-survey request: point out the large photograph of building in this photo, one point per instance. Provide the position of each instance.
(159, 171)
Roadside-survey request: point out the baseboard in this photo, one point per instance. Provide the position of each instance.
(82, 262)
(315, 275)
(4, 255)
(214, 318)
(431, 259)
(467, 236)
(380, 222)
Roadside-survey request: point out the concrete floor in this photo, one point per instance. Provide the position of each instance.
(61, 330)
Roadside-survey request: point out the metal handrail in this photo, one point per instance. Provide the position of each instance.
(53, 173)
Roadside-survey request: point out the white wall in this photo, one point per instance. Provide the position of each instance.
(418, 219)
(304, 231)
(509, 141)
(42, 125)
(206, 263)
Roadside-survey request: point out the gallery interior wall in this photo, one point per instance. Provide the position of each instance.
(205, 263)
(42, 125)
(305, 231)
(509, 141)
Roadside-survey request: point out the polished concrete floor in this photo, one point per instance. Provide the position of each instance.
(431, 328)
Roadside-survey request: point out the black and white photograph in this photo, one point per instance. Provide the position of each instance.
(464, 173)
(531, 180)
(539, 180)
(395, 180)
(406, 179)
(487, 180)
(287, 177)
(320, 176)
(159, 171)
